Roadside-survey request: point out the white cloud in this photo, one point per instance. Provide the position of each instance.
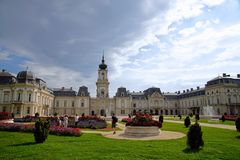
(57, 77)
(4, 55)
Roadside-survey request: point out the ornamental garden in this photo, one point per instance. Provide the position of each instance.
(141, 136)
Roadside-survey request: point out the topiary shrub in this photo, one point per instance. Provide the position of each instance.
(187, 121)
(41, 131)
(223, 118)
(197, 117)
(237, 123)
(194, 137)
(161, 118)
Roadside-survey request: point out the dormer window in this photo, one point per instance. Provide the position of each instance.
(122, 94)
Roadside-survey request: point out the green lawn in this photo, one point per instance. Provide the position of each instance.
(219, 144)
(201, 120)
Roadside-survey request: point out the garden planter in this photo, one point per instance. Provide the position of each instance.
(141, 131)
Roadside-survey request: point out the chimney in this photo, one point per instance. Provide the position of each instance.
(71, 88)
(187, 90)
(224, 75)
(3, 70)
(62, 88)
(179, 92)
(238, 75)
(198, 87)
(228, 75)
(191, 89)
(183, 91)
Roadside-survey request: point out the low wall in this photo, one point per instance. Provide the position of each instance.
(141, 131)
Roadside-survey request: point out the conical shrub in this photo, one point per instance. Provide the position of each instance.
(237, 123)
(194, 136)
(187, 121)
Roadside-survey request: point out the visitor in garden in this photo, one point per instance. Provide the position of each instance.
(59, 122)
(83, 115)
(114, 121)
(76, 119)
(65, 121)
(129, 116)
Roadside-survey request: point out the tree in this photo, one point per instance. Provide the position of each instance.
(187, 121)
(194, 136)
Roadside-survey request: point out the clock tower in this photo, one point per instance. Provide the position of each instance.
(102, 81)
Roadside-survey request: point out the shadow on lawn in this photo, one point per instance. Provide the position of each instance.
(189, 150)
(238, 137)
(24, 144)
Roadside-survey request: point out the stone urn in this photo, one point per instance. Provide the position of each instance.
(141, 131)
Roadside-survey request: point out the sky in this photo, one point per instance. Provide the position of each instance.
(174, 44)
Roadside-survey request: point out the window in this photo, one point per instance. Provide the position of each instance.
(122, 111)
(102, 93)
(6, 96)
(19, 97)
(18, 110)
(122, 94)
(57, 103)
(122, 103)
(72, 103)
(29, 97)
(229, 100)
(82, 94)
(4, 109)
(65, 103)
(28, 110)
(134, 104)
(218, 101)
(82, 104)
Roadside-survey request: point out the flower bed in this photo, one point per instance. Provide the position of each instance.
(92, 122)
(55, 130)
(230, 117)
(143, 120)
(126, 119)
(5, 115)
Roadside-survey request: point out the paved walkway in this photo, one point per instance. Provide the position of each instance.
(207, 125)
(164, 135)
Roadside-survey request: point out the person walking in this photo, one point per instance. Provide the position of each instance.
(76, 119)
(114, 121)
(65, 121)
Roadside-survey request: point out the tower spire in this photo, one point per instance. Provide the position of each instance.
(103, 58)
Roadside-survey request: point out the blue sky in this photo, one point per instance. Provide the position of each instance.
(173, 45)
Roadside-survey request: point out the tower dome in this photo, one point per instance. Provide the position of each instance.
(25, 75)
(102, 66)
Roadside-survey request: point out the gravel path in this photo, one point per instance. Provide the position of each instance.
(207, 125)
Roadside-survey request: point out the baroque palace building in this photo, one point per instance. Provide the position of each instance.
(27, 95)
